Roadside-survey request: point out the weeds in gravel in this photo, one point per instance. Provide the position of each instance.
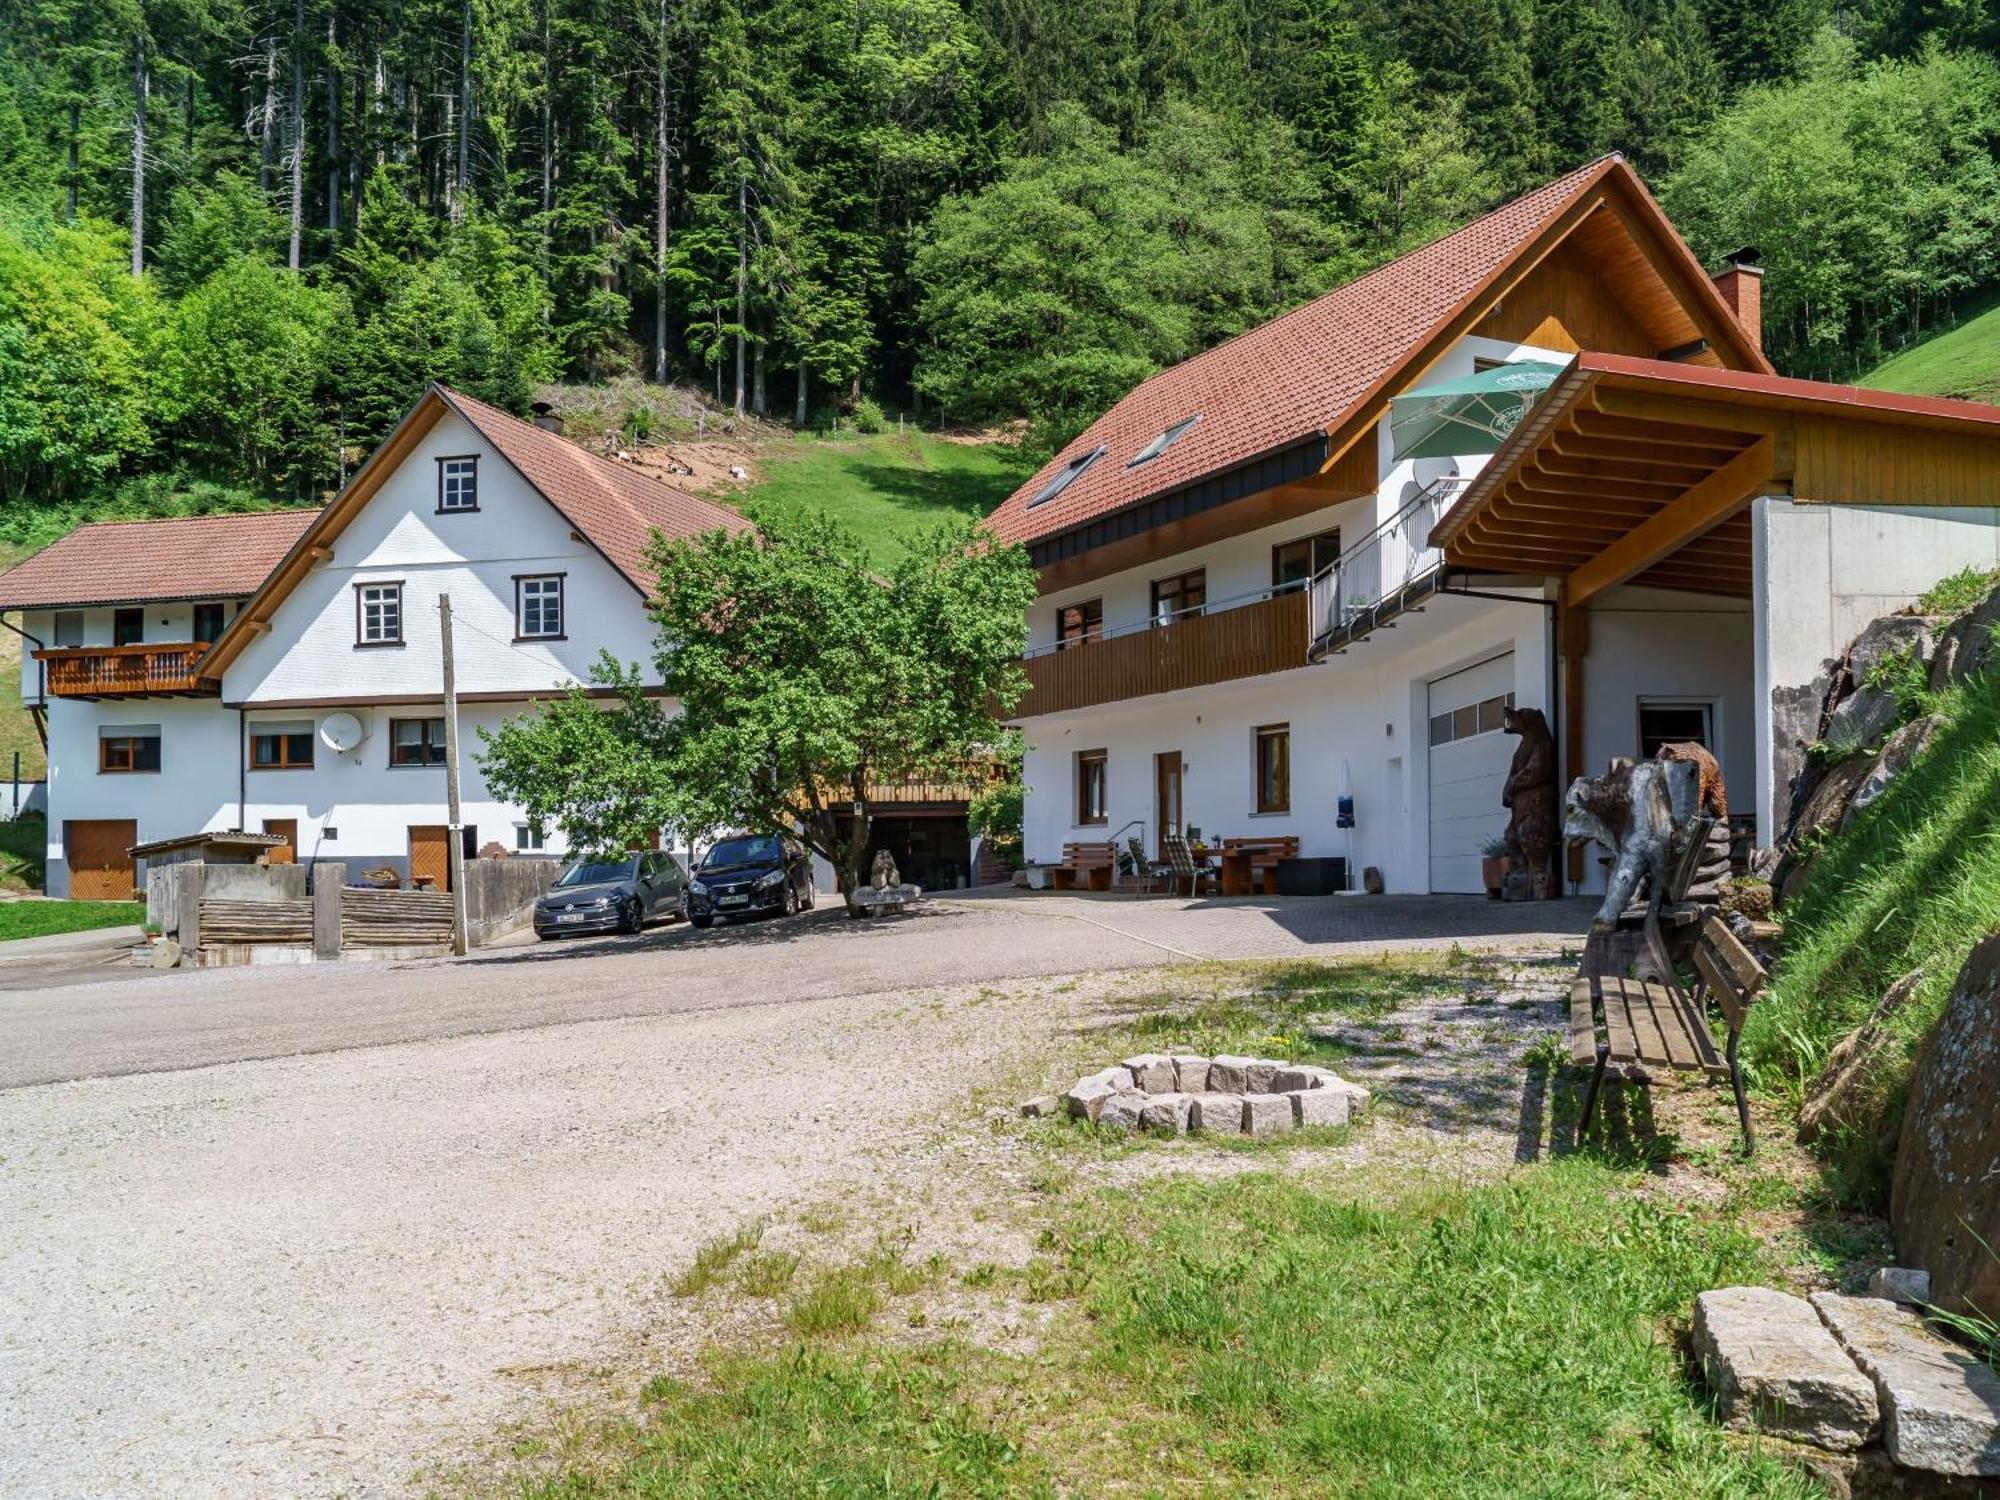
(841, 1299)
(712, 1258)
(766, 1273)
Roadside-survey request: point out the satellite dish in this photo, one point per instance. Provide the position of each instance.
(341, 732)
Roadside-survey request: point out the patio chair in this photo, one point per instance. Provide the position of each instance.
(1180, 858)
(1150, 872)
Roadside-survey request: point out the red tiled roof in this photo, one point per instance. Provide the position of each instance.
(1295, 376)
(614, 505)
(137, 562)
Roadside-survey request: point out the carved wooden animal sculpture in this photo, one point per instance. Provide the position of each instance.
(1714, 795)
(1630, 811)
(1530, 795)
(885, 873)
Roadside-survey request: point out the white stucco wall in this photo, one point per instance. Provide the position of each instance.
(1822, 572)
(1366, 709)
(309, 655)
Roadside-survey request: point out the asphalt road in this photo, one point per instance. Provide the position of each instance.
(78, 1025)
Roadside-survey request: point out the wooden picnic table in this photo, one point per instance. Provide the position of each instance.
(1238, 877)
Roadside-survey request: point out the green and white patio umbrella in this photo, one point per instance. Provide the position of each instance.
(1473, 414)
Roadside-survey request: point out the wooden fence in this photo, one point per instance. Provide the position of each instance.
(394, 919)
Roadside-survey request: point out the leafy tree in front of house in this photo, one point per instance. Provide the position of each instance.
(804, 678)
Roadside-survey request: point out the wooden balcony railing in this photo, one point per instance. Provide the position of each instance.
(956, 784)
(1268, 635)
(126, 671)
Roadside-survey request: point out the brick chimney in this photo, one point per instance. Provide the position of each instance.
(1741, 282)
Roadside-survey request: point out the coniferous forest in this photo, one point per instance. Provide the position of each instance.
(237, 236)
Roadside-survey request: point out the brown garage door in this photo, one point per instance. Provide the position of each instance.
(99, 867)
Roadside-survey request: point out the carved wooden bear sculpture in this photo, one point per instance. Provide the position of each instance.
(1629, 810)
(1714, 795)
(1530, 795)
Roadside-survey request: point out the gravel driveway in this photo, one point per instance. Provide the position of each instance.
(292, 1231)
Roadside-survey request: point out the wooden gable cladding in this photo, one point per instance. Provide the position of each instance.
(1633, 470)
(1568, 303)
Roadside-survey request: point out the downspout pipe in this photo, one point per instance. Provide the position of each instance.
(242, 775)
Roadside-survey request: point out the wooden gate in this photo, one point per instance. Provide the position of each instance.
(100, 868)
(430, 845)
(286, 853)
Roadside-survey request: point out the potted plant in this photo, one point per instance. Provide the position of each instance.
(1493, 864)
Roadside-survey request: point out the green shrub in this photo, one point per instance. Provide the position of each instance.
(868, 417)
(1953, 596)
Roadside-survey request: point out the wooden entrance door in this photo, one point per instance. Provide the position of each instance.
(1167, 797)
(100, 869)
(286, 853)
(430, 845)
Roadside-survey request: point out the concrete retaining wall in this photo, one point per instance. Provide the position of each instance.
(500, 895)
(168, 887)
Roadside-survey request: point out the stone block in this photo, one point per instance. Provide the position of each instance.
(1903, 1284)
(1267, 1114)
(1291, 1079)
(1230, 1075)
(1087, 1095)
(1191, 1074)
(1940, 1405)
(1319, 1107)
(1151, 1071)
(1357, 1097)
(1775, 1368)
(1121, 1110)
(1040, 1107)
(1219, 1114)
(1258, 1072)
(1167, 1113)
(1944, 1202)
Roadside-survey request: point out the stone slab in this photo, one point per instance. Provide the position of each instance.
(1219, 1114)
(1904, 1284)
(1087, 1095)
(1318, 1107)
(1775, 1368)
(1230, 1075)
(1152, 1071)
(1289, 1080)
(1940, 1406)
(1190, 1074)
(1267, 1114)
(1167, 1113)
(1038, 1107)
(1122, 1110)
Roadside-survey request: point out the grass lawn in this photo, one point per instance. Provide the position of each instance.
(23, 919)
(1964, 362)
(884, 487)
(1211, 1318)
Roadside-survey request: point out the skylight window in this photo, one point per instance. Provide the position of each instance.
(1163, 442)
(1066, 476)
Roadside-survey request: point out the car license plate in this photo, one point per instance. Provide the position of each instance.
(571, 916)
(734, 901)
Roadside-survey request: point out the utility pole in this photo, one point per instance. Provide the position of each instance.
(454, 830)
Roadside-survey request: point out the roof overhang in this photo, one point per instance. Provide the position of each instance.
(1643, 471)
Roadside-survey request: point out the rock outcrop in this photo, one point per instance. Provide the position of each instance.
(1945, 1200)
(1848, 1093)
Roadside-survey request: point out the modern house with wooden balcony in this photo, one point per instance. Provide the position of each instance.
(281, 673)
(1541, 462)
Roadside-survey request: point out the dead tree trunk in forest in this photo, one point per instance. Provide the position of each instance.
(297, 141)
(332, 130)
(662, 179)
(462, 176)
(757, 377)
(141, 85)
(742, 274)
(267, 119)
(799, 406)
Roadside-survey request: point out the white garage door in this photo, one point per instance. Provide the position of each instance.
(1469, 756)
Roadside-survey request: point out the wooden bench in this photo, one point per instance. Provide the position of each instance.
(1084, 867)
(1639, 1024)
(1263, 853)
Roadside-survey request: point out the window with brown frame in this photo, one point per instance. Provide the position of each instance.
(1295, 562)
(1079, 622)
(1274, 768)
(127, 749)
(458, 482)
(1091, 766)
(1182, 593)
(378, 614)
(416, 742)
(538, 607)
(281, 747)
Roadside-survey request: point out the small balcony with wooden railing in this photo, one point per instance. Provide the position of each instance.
(1245, 636)
(166, 670)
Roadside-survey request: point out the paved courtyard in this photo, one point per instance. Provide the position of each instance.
(292, 1231)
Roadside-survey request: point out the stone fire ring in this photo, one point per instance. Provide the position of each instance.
(1222, 1095)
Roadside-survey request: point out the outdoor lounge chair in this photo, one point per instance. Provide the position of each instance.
(1181, 860)
(1149, 872)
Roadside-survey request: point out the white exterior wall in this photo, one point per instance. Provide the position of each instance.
(1366, 710)
(1823, 572)
(308, 664)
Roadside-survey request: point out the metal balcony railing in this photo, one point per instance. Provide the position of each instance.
(1383, 574)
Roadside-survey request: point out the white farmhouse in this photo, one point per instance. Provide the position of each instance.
(202, 673)
(1273, 576)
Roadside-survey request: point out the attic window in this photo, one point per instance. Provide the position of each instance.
(1067, 475)
(1163, 442)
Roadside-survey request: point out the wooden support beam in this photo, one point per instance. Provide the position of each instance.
(1531, 475)
(1641, 450)
(1698, 511)
(1685, 468)
(1573, 643)
(1645, 406)
(1596, 424)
